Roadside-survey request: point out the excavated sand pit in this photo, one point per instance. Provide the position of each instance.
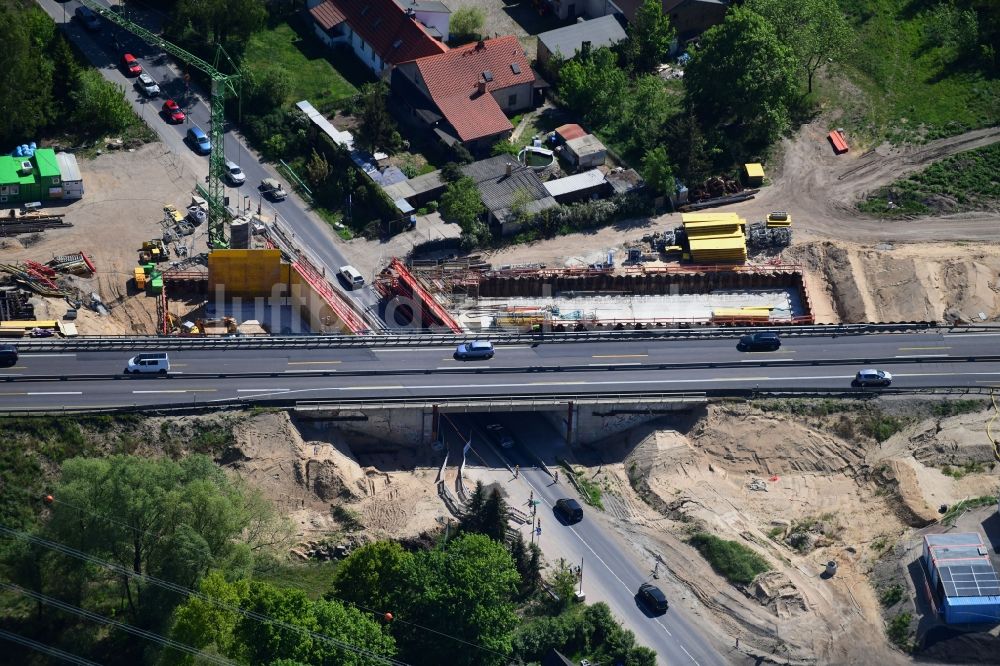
(768, 480)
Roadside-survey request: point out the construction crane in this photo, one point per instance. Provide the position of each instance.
(221, 84)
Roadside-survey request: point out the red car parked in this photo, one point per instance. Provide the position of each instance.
(131, 65)
(172, 112)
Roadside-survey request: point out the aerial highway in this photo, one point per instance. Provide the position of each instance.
(53, 379)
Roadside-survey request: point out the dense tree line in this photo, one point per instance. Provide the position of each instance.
(44, 88)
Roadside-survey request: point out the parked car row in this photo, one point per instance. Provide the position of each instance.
(195, 137)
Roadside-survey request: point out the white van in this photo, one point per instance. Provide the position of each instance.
(153, 362)
(353, 276)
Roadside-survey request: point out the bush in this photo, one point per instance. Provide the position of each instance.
(898, 630)
(891, 595)
(730, 559)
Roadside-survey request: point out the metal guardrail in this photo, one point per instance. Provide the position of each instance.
(554, 399)
(152, 343)
(530, 369)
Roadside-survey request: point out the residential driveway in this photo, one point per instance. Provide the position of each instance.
(514, 18)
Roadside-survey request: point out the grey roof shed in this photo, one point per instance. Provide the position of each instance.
(567, 41)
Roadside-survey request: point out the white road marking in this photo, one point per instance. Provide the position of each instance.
(970, 335)
(922, 356)
(770, 360)
(46, 355)
(164, 391)
(55, 393)
(632, 382)
(611, 365)
(261, 390)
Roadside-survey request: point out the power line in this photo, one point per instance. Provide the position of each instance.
(419, 626)
(184, 591)
(46, 649)
(395, 619)
(135, 631)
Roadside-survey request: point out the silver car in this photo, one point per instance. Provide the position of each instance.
(872, 377)
(147, 85)
(471, 351)
(234, 174)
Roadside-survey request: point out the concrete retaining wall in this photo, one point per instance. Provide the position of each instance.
(375, 429)
(594, 423)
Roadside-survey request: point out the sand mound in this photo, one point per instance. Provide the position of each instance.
(918, 282)
(308, 479)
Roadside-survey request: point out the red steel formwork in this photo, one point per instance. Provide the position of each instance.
(354, 323)
(397, 280)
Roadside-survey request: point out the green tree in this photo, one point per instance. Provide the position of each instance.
(221, 629)
(25, 76)
(466, 24)
(815, 30)
(494, 524)
(461, 204)
(593, 85)
(203, 23)
(534, 574)
(688, 147)
(647, 110)
(172, 520)
(99, 106)
(464, 590)
(317, 169)
(472, 520)
(64, 76)
(649, 37)
(743, 74)
(564, 586)
(657, 172)
(371, 576)
(378, 129)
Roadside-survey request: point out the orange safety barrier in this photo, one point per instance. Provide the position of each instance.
(353, 322)
(422, 295)
(839, 142)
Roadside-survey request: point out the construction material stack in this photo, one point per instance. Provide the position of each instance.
(715, 237)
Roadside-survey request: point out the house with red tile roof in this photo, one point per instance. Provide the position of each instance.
(382, 33)
(465, 94)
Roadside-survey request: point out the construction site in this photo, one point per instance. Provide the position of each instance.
(697, 274)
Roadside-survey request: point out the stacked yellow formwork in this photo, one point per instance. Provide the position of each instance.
(247, 273)
(715, 237)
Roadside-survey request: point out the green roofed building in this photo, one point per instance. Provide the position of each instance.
(36, 178)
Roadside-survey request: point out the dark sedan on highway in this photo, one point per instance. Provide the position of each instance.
(471, 351)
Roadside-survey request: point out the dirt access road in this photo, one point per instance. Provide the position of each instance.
(821, 190)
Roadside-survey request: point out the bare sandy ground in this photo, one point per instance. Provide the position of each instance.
(863, 498)
(123, 206)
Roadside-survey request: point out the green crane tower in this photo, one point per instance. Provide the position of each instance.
(221, 84)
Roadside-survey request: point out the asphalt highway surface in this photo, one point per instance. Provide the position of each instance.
(95, 379)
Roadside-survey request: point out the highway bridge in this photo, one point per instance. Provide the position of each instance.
(82, 375)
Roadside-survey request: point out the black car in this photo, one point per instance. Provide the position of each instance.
(87, 17)
(8, 355)
(569, 509)
(653, 598)
(764, 341)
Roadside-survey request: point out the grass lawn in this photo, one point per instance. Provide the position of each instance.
(306, 61)
(313, 577)
(966, 181)
(910, 90)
